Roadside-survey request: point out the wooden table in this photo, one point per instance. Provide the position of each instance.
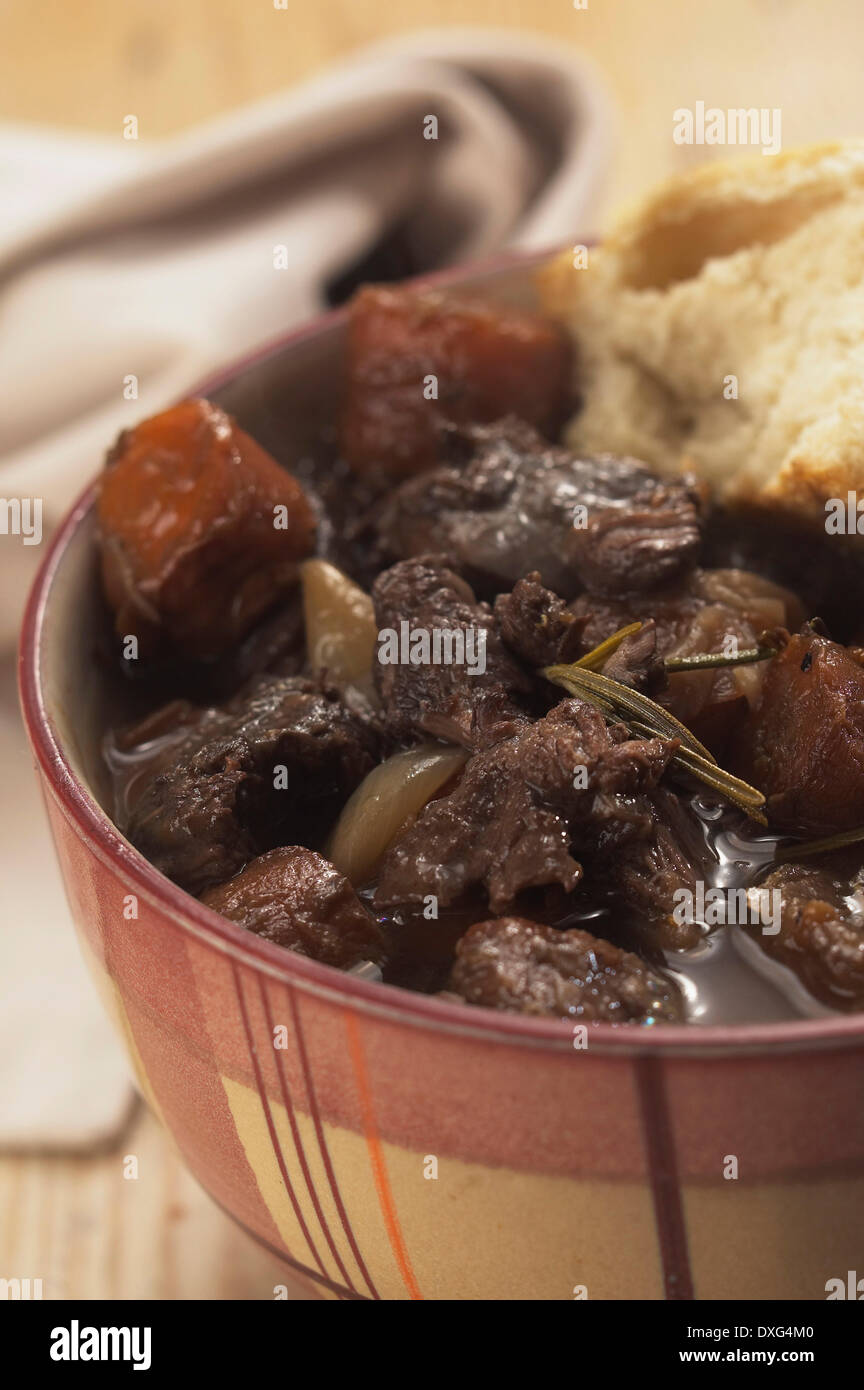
(76, 1222)
(89, 63)
(89, 1232)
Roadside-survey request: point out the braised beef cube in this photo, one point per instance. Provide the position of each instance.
(200, 531)
(537, 625)
(710, 611)
(821, 933)
(542, 631)
(441, 669)
(521, 505)
(565, 782)
(805, 745)
(485, 361)
(274, 766)
(521, 967)
(296, 899)
(642, 877)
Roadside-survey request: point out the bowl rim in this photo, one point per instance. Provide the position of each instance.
(393, 1002)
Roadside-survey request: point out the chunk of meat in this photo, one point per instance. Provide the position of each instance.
(422, 606)
(805, 745)
(711, 611)
(521, 505)
(642, 876)
(521, 967)
(296, 899)
(565, 782)
(200, 531)
(537, 625)
(485, 361)
(821, 933)
(543, 630)
(271, 767)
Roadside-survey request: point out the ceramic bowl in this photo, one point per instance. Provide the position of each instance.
(390, 1145)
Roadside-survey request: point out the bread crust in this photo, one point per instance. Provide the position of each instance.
(754, 265)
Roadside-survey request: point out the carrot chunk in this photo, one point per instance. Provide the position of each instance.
(415, 360)
(201, 531)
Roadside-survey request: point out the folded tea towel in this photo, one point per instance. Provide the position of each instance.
(130, 268)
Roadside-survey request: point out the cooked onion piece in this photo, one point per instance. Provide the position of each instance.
(391, 795)
(340, 623)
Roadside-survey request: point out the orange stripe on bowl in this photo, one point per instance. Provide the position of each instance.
(376, 1158)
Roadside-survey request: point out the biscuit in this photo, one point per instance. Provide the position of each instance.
(720, 327)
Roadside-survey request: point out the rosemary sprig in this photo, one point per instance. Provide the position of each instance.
(706, 661)
(633, 703)
(698, 661)
(650, 720)
(839, 841)
(734, 789)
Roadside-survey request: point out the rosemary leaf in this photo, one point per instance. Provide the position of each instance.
(647, 719)
(626, 703)
(839, 841)
(733, 788)
(706, 661)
